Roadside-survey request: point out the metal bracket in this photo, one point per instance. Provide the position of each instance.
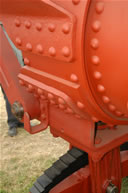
(43, 118)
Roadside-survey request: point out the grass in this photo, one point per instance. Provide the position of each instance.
(25, 156)
(18, 179)
(125, 185)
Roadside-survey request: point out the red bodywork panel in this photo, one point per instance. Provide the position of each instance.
(74, 74)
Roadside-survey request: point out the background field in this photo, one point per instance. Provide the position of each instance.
(25, 157)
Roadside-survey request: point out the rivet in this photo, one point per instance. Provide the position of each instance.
(43, 97)
(21, 82)
(76, 1)
(96, 26)
(61, 106)
(62, 130)
(52, 102)
(52, 51)
(106, 99)
(80, 105)
(26, 61)
(27, 24)
(112, 107)
(38, 26)
(94, 43)
(118, 113)
(100, 88)
(17, 22)
(18, 41)
(74, 77)
(66, 28)
(69, 110)
(43, 117)
(50, 96)
(77, 116)
(98, 140)
(39, 49)
(94, 119)
(36, 96)
(95, 60)
(97, 75)
(66, 51)
(30, 88)
(99, 7)
(29, 46)
(51, 27)
(61, 101)
(39, 91)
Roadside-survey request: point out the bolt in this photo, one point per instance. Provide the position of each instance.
(112, 188)
(17, 110)
(43, 117)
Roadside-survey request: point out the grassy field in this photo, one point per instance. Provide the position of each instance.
(24, 157)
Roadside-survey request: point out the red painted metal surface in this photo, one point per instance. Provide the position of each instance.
(80, 182)
(75, 74)
(102, 175)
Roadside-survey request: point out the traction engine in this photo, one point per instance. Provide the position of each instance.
(65, 63)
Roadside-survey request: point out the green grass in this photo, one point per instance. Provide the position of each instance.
(18, 179)
(125, 185)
